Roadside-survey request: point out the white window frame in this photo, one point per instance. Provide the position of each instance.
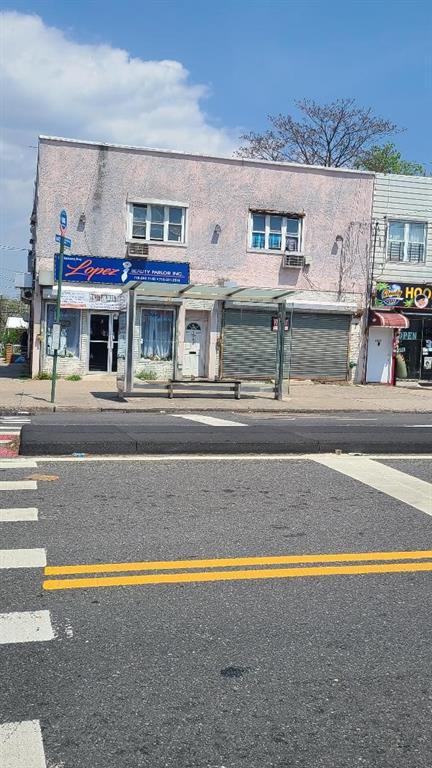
(166, 205)
(406, 223)
(284, 234)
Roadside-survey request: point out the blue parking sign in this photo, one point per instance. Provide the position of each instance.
(63, 221)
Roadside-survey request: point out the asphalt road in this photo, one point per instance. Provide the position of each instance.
(325, 671)
(227, 433)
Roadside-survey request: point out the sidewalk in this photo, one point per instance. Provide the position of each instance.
(98, 393)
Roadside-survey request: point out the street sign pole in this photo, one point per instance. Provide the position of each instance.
(63, 228)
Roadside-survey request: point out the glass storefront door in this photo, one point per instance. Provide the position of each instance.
(426, 351)
(409, 346)
(415, 344)
(103, 342)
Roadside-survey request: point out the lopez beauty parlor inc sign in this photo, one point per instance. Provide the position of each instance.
(89, 269)
(410, 296)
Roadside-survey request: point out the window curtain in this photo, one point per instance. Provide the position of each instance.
(156, 334)
(70, 331)
(275, 240)
(417, 233)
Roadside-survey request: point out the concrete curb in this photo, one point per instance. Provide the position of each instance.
(105, 440)
(207, 409)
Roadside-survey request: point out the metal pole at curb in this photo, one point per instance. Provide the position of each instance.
(281, 349)
(56, 331)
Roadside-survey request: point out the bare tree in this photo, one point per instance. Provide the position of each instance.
(335, 134)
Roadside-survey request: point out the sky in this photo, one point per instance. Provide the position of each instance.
(194, 75)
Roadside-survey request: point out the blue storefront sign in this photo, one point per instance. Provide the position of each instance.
(90, 269)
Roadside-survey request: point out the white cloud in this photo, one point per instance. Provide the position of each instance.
(53, 85)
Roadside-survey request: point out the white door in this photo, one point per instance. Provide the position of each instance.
(194, 348)
(380, 350)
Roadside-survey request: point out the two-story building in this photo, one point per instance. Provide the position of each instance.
(215, 221)
(401, 254)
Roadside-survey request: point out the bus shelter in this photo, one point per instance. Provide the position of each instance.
(136, 293)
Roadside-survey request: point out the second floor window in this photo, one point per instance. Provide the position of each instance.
(406, 241)
(159, 223)
(274, 232)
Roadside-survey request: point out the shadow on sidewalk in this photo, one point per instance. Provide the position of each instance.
(35, 397)
(116, 397)
(111, 396)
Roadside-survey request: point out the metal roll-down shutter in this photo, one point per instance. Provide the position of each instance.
(249, 344)
(319, 345)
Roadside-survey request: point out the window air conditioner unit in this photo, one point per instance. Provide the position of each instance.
(296, 260)
(137, 249)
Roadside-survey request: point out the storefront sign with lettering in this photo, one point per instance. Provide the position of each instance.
(91, 269)
(76, 298)
(410, 296)
(97, 300)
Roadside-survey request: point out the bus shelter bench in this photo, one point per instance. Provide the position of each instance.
(210, 387)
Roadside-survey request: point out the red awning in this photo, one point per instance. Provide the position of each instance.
(389, 319)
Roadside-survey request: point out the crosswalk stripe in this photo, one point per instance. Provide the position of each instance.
(18, 514)
(21, 745)
(18, 485)
(16, 417)
(22, 558)
(25, 627)
(210, 421)
(399, 485)
(18, 463)
(15, 421)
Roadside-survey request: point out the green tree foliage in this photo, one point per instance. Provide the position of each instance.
(387, 159)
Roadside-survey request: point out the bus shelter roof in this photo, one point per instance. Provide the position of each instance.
(212, 292)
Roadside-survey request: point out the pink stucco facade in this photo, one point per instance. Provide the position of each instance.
(101, 182)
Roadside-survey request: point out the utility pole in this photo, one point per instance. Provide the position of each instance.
(56, 331)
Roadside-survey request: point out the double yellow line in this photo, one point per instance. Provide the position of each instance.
(187, 571)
